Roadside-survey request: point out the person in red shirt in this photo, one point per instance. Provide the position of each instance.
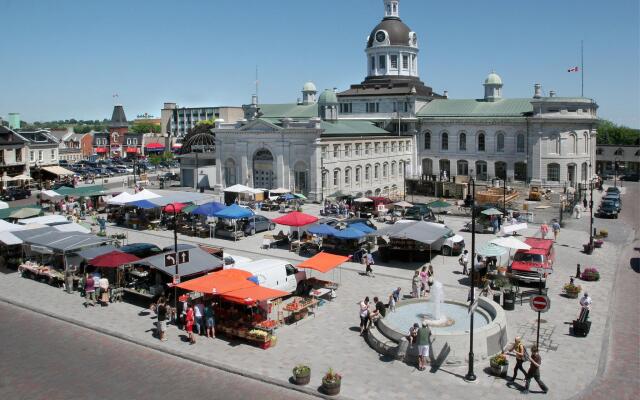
(190, 320)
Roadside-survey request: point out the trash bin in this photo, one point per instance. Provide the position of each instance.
(509, 300)
(496, 297)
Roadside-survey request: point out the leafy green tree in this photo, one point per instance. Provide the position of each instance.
(145, 128)
(611, 133)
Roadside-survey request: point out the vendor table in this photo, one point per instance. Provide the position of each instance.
(297, 314)
(324, 292)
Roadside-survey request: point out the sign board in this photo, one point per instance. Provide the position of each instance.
(176, 279)
(540, 303)
(183, 257)
(170, 260)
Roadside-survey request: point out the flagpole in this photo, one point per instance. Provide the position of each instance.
(582, 68)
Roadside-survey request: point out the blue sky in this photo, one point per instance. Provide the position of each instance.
(65, 58)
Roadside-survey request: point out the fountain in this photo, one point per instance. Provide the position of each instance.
(449, 323)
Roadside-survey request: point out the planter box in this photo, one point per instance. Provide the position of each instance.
(331, 389)
(572, 295)
(499, 370)
(587, 248)
(581, 328)
(302, 380)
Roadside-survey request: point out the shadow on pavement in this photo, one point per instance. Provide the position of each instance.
(635, 264)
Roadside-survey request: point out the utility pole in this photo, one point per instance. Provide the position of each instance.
(471, 376)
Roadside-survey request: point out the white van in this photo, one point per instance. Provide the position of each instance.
(274, 274)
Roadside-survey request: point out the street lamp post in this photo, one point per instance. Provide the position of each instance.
(471, 376)
(39, 169)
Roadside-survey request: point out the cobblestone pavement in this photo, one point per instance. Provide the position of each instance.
(330, 339)
(100, 366)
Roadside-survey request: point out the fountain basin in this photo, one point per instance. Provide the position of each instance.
(450, 343)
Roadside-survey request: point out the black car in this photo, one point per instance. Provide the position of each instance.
(141, 250)
(630, 177)
(608, 209)
(15, 193)
(420, 211)
(171, 176)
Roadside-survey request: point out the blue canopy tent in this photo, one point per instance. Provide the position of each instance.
(234, 212)
(208, 209)
(322, 230)
(146, 204)
(349, 233)
(288, 197)
(362, 227)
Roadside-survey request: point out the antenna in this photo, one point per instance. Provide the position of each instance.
(582, 68)
(257, 81)
(115, 99)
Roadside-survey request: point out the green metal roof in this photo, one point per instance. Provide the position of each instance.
(6, 212)
(82, 191)
(279, 111)
(328, 97)
(493, 79)
(351, 128)
(476, 108)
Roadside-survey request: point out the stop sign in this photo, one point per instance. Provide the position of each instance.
(540, 303)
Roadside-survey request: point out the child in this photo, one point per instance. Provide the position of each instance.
(392, 303)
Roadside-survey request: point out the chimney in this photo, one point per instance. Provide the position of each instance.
(299, 102)
(537, 91)
(254, 100)
(552, 93)
(446, 94)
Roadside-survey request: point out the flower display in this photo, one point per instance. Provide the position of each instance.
(499, 359)
(590, 274)
(331, 377)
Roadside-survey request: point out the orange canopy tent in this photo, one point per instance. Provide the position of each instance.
(219, 282)
(323, 262)
(252, 294)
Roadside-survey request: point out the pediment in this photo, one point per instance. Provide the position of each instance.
(261, 126)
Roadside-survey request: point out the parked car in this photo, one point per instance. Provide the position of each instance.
(419, 211)
(609, 209)
(613, 197)
(257, 223)
(541, 255)
(613, 189)
(15, 193)
(630, 177)
(276, 274)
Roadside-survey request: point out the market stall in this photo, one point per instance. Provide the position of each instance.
(112, 266)
(227, 226)
(296, 219)
(348, 240)
(323, 263)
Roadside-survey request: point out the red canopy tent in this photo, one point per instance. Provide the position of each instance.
(169, 208)
(219, 282)
(253, 294)
(296, 218)
(113, 259)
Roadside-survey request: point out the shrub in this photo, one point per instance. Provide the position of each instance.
(301, 370)
(499, 359)
(590, 274)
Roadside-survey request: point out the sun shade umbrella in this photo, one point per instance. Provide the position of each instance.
(322, 230)
(491, 250)
(323, 262)
(219, 282)
(113, 259)
(438, 204)
(349, 233)
(403, 204)
(296, 218)
(174, 207)
(492, 211)
(3, 205)
(253, 294)
(208, 209)
(300, 196)
(363, 200)
(510, 242)
(280, 191)
(288, 197)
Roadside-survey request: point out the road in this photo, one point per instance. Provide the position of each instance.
(43, 358)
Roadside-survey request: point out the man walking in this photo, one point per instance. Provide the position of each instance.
(534, 371)
(161, 312)
(556, 229)
(518, 349)
(464, 261)
(423, 339)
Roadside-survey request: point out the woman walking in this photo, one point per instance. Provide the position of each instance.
(424, 280)
(364, 315)
(190, 320)
(210, 320)
(430, 278)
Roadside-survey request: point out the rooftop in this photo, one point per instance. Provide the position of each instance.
(476, 108)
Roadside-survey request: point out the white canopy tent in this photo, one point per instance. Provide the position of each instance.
(45, 220)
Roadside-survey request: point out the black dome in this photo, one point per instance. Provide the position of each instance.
(397, 30)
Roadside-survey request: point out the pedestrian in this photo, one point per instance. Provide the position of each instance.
(392, 303)
(556, 229)
(396, 294)
(368, 261)
(577, 211)
(89, 291)
(182, 311)
(199, 315)
(210, 320)
(544, 229)
(585, 307)
(364, 315)
(103, 283)
(415, 284)
(68, 278)
(464, 262)
(161, 312)
(519, 351)
(424, 280)
(430, 278)
(413, 333)
(378, 312)
(584, 203)
(423, 339)
(189, 321)
(534, 371)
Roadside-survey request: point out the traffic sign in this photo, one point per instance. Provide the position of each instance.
(540, 303)
(170, 260)
(183, 256)
(176, 279)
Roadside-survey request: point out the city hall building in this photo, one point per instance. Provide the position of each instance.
(367, 139)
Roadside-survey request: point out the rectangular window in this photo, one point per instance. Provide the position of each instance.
(394, 62)
(336, 150)
(385, 148)
(347, 150)
(347, 176)
(373, 63)
(377, 147)
(358, 175)
(373, 107)
(40, 155)
(358, 149)
(18, 155)
(367, 149)
(53, 154)
(32, 156)
(345, 108)
(405, 62)
(383, 62)
(336, 177)
(376, 171)
(406, 107)
(401, 147)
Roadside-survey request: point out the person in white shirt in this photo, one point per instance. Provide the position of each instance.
(199, 314)
(104, 290)
(585, 307)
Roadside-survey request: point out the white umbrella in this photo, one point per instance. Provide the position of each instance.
(403, 204)
(280, 191)
(510, 242)
(363, 200)
(3, 205)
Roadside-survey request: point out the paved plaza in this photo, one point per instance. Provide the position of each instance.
(330, 339)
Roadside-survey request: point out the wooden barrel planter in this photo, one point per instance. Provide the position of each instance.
(331, 388)
(301, 375)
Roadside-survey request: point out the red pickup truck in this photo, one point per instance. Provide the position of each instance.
(526, 262)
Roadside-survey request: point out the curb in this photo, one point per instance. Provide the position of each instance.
(175, 353)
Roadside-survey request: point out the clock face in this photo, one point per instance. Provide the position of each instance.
(381, 36)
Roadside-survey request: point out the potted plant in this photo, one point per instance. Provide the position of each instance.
(301, 374)
(604, 233)
(571, 290)
(499, 364)
(590, 274)
(588, 248)
(598, 243)
(331, 382)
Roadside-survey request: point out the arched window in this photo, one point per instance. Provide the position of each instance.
(325, 178)
(553, 172)
(347, 176)
(520, 143)
(336, 177)
(444, 141)
(481, 170)
(376, 171)
(574, 143)
(427, 140)
(463, 167)
(619, 152)
(462, 139)
(401, 169)
(584, 175)
(230, 172)
(385, 170)
(554, 144)
(500, 168)
(358, 173)
(393, 169)
(586, 143)
(500, 142)
(427, 166)
(481, 141)
(367, 173)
